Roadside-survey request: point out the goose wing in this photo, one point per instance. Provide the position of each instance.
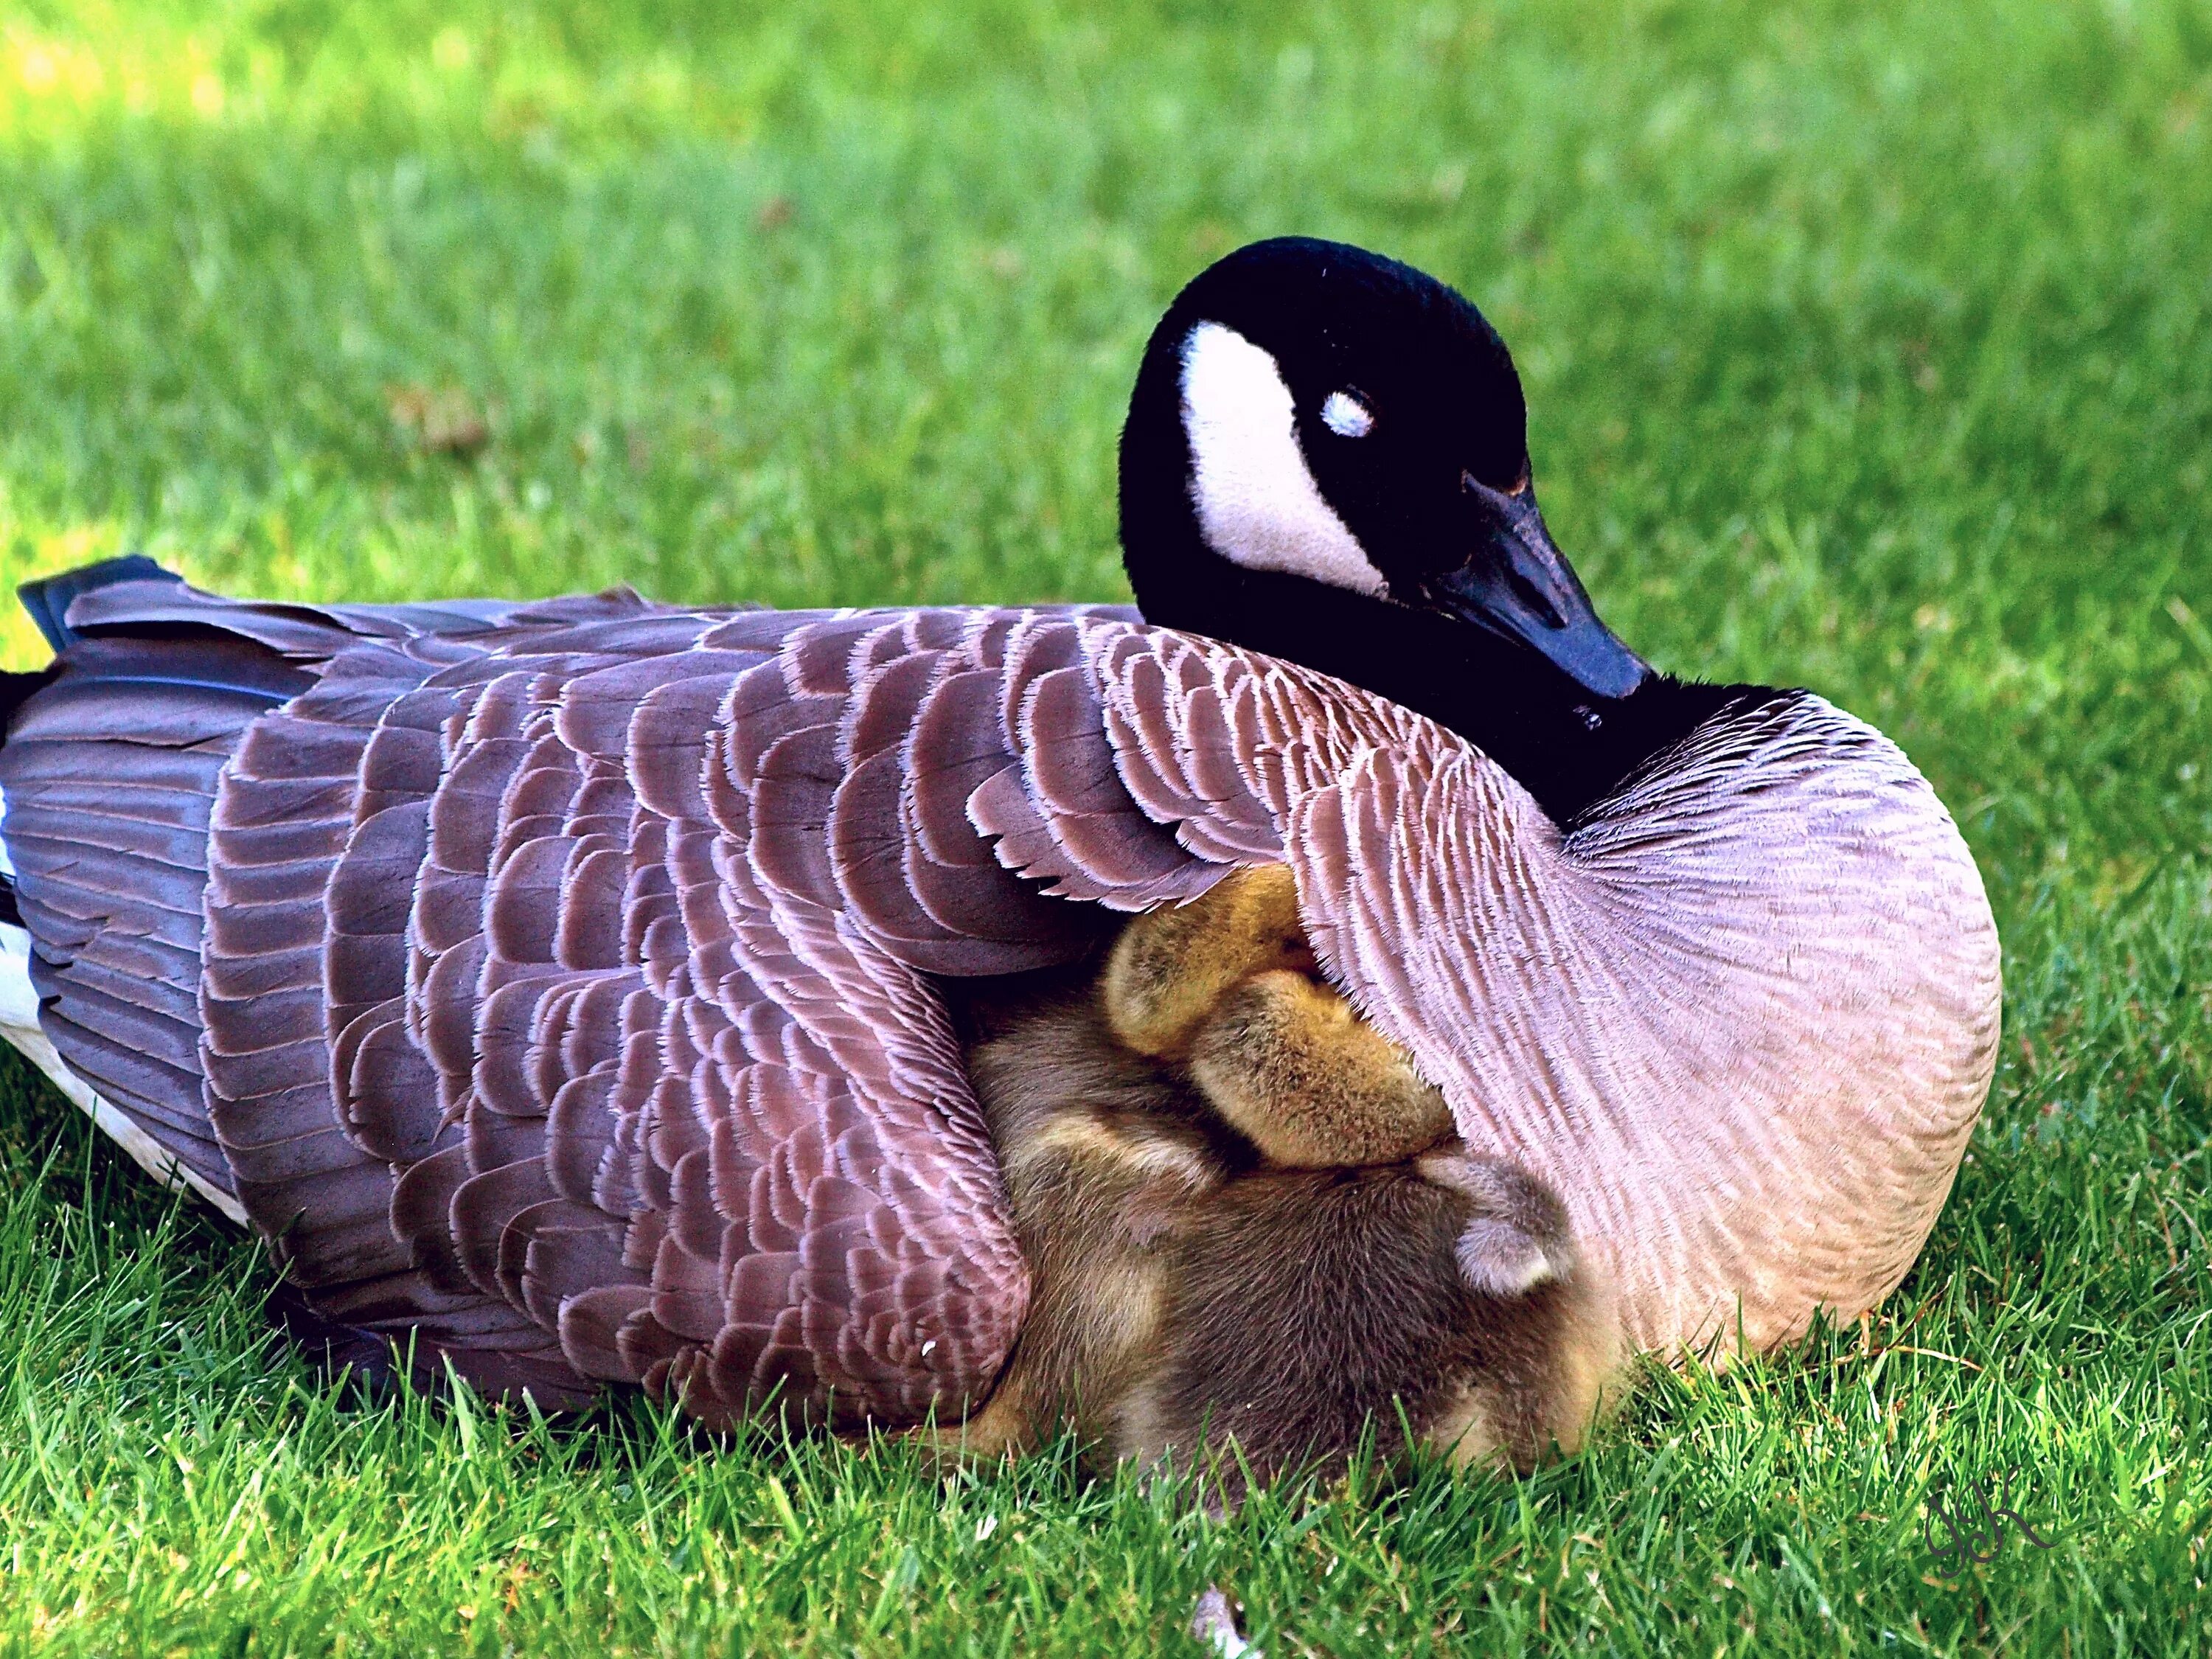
(561, 990)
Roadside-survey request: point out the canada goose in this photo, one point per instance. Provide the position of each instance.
(1188, 1290)
(558, 983)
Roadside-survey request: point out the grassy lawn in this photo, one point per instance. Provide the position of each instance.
(1869, 347)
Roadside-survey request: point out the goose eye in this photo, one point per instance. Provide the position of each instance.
(1346, 416)
(1470, 483)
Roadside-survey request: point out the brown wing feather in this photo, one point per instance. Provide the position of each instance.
(621, 1017)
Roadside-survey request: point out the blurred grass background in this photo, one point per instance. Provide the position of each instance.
(1868, 346)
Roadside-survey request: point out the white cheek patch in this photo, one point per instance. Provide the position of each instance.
(1258, 505)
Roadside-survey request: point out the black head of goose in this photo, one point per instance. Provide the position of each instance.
(558, 984)
(1327, 460)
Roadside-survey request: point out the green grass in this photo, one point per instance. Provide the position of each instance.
(1869, 347)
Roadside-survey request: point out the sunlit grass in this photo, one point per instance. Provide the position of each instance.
(1868, 348)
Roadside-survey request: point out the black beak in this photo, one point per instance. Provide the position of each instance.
(1519, 585)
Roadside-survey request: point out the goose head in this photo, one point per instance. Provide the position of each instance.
(1326, 458)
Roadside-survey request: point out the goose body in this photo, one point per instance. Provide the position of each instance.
(560, 985)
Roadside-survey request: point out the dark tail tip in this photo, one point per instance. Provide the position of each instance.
(15, 690)
(48, 599)
(335, 1349)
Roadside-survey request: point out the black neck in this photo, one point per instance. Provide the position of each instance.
(1569, 749)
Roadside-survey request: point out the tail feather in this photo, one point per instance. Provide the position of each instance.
(173, 1158)
(109, 768)
(48, 599)
(110, 763)
(101, 990)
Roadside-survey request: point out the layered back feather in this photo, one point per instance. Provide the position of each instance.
(555, 984)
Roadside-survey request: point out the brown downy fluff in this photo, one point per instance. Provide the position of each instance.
(1443, 1298)
(1190, 1301)
(1225, 985)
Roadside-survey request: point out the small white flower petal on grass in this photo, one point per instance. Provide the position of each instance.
(1215, 1622)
